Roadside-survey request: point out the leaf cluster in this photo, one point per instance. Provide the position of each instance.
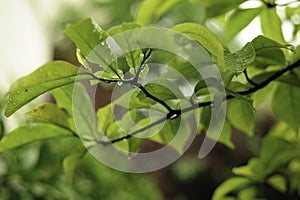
(264, 69)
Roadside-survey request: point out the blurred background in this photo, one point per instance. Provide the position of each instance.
(31, 35)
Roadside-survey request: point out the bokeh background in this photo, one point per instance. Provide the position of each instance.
(31, 35)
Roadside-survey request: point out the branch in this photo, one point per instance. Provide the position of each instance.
(176, 113)
(100, 79)
(143, 89)
(126, 137)
(248, 79)
(271, 78)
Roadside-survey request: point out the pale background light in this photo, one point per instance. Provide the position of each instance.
(25, 40)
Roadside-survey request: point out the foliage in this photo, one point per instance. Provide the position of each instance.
(36, 172)
(265, 66)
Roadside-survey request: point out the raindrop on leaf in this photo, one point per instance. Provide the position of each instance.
(120, 83)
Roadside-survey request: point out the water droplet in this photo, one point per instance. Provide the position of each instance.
(292, 48)
(18, 92)
(14, 104)
(120, 83)
(133, 85)
(102, 43)
(174, 116)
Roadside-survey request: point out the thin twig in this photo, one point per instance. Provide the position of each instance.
(145, 91)
(209, 103)
(248, 79)
(100, 79)
(126, 137)
(143, 64)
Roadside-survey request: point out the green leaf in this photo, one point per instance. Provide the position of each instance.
(205, 37)
(163, 90)
(263, 76)
(84, 112)
(134, 99)
(230, 186)
(283, 159)
(63, 97)
(258, 168)
(238, 20)
(51, 113)
(272, 146)
(123, 27)
(70, 163)
(30, 133)
(263, 96)
(282, 127)
(261, 43)
(133, 57)
(120, 128)
(218, 7)
(183, 68)
(185, 127)
(247, 194)
(290, 79)
(52, 75)
(125, 126)
(86, 34)
(286, 104)
(278, 182)
(90, 40)
(268, 57)
(164, 134)
(271, 24)
(238, 96)
(81, 59)
(243, 171)
(292, 11)
(225, 135)
(167, 133)
(151, 10)
(242, 116)
(277, 153)
(201, 88)
(139, 100)
(105, 117)
(238, 61)
(227, 77)
(268, 52)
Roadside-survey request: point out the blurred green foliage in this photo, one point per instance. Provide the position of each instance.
(265, 70)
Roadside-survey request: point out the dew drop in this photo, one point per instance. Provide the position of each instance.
(120, 83)
(292, 48)
(18, 92)
(14, 104)
(174, 116)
